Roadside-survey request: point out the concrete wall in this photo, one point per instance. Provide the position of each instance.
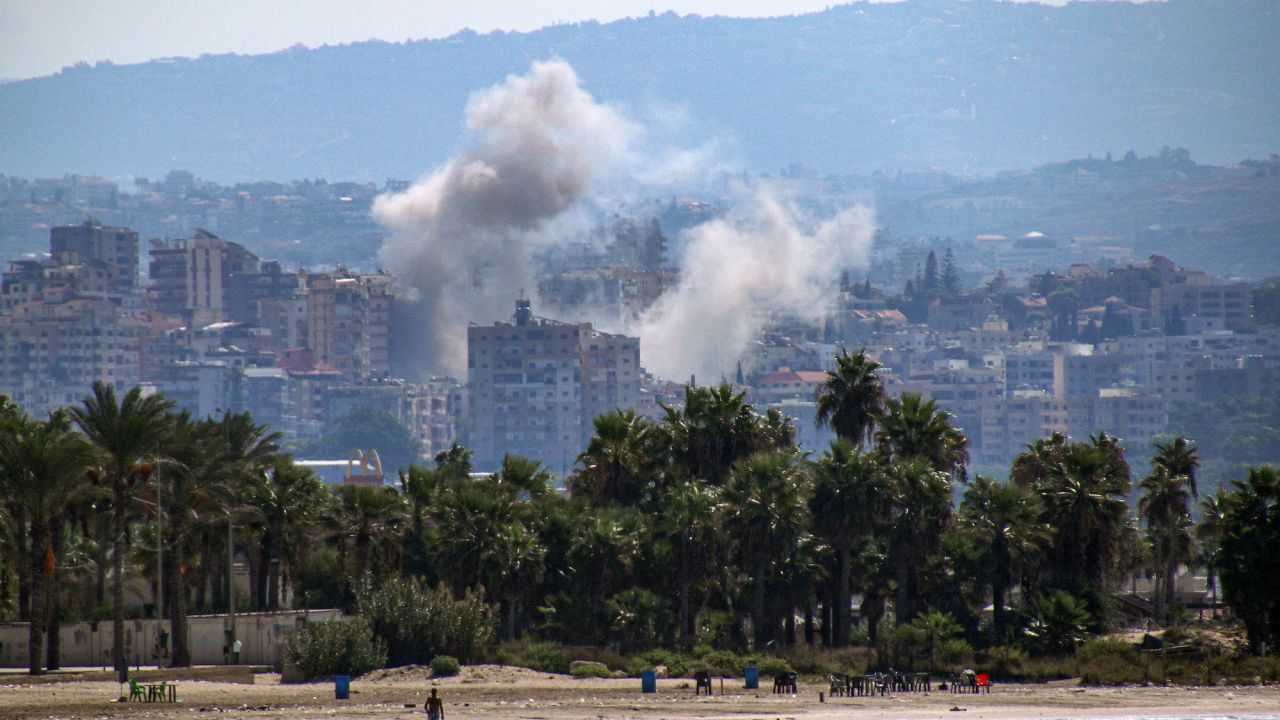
(263, 638)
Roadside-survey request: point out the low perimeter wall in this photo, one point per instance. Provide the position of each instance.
(263, 638)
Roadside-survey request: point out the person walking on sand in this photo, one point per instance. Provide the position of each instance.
(435, 707)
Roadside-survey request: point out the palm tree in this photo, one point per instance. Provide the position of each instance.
(690, 518)
(913, 428)
(288, 499)
(365, 523)
(1247, 558)
(1031, 469)
(919, 515)
(125, 431)
(1209, 532)
(765, 512)
(195, 485)
(612, 466)
(1179, 458)
(937, 627)
(42, 465)
(852, 397)
(1166, 509)
(1084, 503)
(718, 427)
(1004, 520)
(851, 498)
(248, 450)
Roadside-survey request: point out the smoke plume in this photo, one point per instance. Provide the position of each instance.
(762, 260)
(462, 236)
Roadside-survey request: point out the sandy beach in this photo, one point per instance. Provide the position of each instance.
(504, 693)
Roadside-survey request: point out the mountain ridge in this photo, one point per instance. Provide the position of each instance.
(968, 87)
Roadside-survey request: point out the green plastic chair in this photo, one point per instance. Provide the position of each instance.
(135, 691)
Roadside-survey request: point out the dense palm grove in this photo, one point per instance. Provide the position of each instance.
(707, 526)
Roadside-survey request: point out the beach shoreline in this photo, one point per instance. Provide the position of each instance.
(506, 693)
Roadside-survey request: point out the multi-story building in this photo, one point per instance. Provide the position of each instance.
(116, 247)
(1135, 416)
(1083, 374)
(1213, 307)
(1033, 369)
(348, 322)
(52, 352)
(536, 384)
(201, 279)
(1011, 423)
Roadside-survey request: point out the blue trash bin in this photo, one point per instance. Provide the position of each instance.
(752, 676)
(649, 681)
(342, 687)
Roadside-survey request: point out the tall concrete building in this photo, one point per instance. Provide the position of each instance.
(201, 279)
(535, 385)
(52, 352)
(92, 241)
(348, 319)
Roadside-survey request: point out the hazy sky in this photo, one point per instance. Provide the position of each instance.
(39, 37)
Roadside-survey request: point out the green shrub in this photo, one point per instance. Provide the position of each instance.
(337, 648)
(543, 657)
(1097, 649)
(955, 652)
(417, 622)
(677, 665)
(444, 666)
(1175, 635)
(721, 662)
(769, 666)
(591, 671)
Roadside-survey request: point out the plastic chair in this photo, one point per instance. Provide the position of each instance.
(984, 684)
(135, 691)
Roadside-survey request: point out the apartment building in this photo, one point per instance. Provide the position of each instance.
(115, 247)
(535, 385)
(52, 352)
(348, 318)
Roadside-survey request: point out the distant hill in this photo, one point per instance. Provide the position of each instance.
(964, 86)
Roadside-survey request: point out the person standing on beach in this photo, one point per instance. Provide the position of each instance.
(435, 707)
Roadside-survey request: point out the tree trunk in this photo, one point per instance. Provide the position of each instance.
(686, 635)
(39, 606)
(53, 626)
(274, 562)
(1170, 590)
(257, 574)
(872, 611)
(843, 595)
(828, 615)
(176, 593)
(117, 580)
(998, 591)
(808, 622)
(758, 632)
(26, 552)
(102, 538)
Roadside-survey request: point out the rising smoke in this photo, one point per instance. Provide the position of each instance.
(462, 237)
(763, 260)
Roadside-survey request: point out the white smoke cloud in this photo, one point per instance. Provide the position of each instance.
(462, 236)
(764, 258)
